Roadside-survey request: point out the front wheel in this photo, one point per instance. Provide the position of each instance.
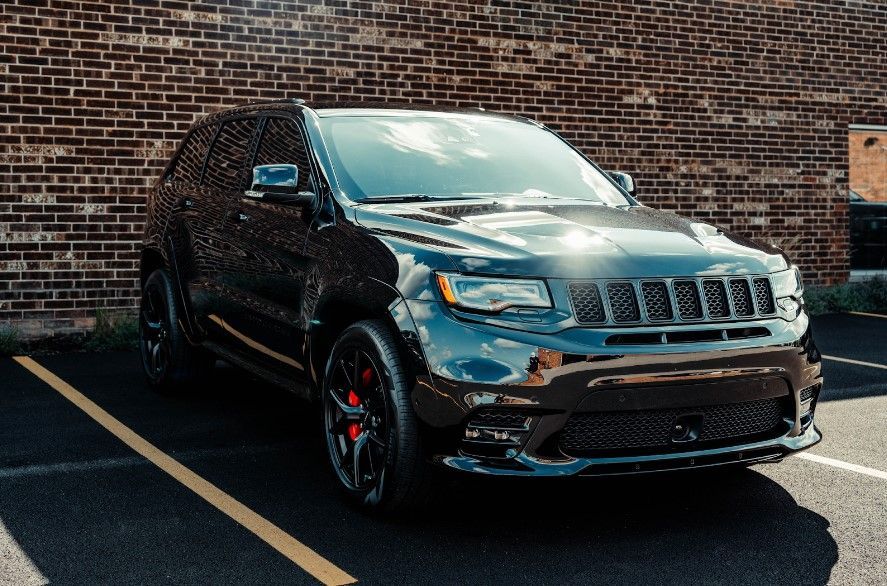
(372, 433)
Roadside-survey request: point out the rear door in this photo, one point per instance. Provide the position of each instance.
(268, 240)
(191, 220)
(223, 178)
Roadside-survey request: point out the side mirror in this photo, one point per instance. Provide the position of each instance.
(279, 184)
(625, 181)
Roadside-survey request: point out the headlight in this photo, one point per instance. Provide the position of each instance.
(492, 294)
(787, 283)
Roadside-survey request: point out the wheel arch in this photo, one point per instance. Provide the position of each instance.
(334, 314)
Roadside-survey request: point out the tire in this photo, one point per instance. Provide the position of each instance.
(390, 473)
(171, 364)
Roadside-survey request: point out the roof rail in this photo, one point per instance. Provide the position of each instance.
(296, 101)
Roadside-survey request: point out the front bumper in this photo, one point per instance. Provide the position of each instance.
(474, 368)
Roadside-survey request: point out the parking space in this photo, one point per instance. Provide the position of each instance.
(77, 505)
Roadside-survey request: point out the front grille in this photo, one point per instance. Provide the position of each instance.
(623, 304)
(715, 298)
(653, 301)
(656, 300)
(742, 303)
(687, 296)
(586, 300)
(763, 296)
(652, 429)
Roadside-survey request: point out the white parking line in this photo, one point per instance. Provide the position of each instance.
(882, 316)
(843, 465)
(856, 362)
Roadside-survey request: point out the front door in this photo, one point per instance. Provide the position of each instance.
(268, 248)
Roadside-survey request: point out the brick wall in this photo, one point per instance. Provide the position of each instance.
(731, 112)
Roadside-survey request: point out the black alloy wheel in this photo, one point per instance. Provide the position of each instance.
(371, 430)
(154, 332)
(357, 420)
(170, 362)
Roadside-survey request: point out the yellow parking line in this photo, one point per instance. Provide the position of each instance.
(856, 362)
(882, 316)
(297, 552)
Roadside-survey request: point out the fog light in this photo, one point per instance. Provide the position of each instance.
(501, 435)
(472, 433)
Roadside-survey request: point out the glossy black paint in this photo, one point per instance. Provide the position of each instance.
(269, 286)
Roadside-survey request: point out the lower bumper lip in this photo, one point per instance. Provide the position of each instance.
(525, 465)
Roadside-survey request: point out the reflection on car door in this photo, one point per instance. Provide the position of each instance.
(224, 176)
(267, 259)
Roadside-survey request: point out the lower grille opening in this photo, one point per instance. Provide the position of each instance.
(495, 433)
(808, 398)
(658, 430)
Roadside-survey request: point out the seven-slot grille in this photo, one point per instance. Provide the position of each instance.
(671, 299)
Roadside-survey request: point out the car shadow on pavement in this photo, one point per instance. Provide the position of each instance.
(735, 526)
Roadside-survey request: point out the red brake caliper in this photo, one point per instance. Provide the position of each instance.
(353, 428)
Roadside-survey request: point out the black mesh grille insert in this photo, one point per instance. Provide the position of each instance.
(586, 300)
(499, 419)
(656, 300)
(741, 295)
(687, 296)
(715, 298)
(809, 393)
(652, 429)
(763, 296)
(623, 304)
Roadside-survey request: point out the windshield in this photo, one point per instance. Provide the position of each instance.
(458, 155)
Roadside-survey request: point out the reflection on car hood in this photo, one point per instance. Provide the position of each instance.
(570, 239)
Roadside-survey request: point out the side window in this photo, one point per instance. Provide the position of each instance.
(190, 161)
(282, 144)
(225, 168)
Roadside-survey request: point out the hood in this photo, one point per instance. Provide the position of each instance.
(570, 239)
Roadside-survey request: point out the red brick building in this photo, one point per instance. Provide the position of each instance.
(732, 112)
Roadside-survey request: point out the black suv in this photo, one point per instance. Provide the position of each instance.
(466, 290)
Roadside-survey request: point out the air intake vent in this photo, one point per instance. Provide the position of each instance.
(715, 298)
(763, 296)
(741, 295)
(586, 300)
(622, 302)
(687, 295)
(656, 300)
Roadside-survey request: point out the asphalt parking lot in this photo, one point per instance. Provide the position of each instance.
(78, 505)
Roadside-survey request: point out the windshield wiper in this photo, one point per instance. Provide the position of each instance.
(408, 197)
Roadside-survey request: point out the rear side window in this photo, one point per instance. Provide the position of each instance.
(226, 164)
(190, 161)
(282, 144)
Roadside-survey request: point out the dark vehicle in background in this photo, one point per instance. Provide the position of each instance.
(868, 233)
(465, 290)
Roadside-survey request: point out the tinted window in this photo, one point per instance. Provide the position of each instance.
(282, 144)
(226, 167)
(456, 154)
(190, 161)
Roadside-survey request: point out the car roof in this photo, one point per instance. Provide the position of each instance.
(353, 108)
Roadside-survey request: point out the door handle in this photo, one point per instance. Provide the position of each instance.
(187, 203)
(240, 217)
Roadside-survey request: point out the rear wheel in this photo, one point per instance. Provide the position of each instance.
(371, 430)
(169, 361)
